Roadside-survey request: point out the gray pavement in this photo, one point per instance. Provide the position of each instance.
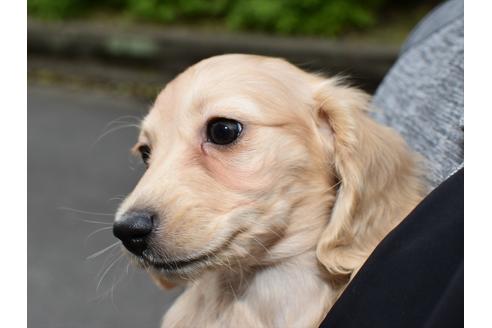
(68, 169)
(166, 49)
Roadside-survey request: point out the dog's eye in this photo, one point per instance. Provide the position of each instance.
(223, 131)
(145, 153)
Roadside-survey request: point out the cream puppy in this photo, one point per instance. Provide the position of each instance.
(267, 188)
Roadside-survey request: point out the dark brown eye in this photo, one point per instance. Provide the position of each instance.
(223, 131)
(145, 153)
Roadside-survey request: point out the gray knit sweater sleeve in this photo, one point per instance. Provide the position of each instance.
(422, 95)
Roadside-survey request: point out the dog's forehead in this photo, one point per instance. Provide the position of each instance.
(252, 86)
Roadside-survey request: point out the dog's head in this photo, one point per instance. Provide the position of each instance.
(252, 160)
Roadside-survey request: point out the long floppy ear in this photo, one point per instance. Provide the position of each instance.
(378, 179)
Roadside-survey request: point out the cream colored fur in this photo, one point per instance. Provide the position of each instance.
(288, 214)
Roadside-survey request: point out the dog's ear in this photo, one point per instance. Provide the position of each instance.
(376, 173)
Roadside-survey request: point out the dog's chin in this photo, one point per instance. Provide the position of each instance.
(175, 270)
(182, 275)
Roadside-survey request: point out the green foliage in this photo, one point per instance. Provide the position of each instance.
(61, 9)
(177, 10)
(54, 9)
(311, 17)
(321, 17)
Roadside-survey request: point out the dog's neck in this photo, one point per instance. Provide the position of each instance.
(257, 297)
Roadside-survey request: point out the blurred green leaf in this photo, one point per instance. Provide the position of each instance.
(312, 17)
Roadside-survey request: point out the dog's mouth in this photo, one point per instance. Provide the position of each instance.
(174, 265)
(184, 265)
(188, 265)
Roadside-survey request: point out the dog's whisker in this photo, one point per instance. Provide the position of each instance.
(116, 197)
(232, 290)
(63, 208)
(107, 270)
(123, 117)
(97, 222)
(96, 231)
(102, 251)
(335, 185)
(114, 130)
(261, 244)
(94, 221)
(110, 257)
(241, 273)
(229, 264)
(221, 262)
(125, 120)
(115, 284)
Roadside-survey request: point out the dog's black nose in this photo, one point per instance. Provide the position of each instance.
(133, 229)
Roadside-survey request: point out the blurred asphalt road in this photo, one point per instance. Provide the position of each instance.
(68, 169)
